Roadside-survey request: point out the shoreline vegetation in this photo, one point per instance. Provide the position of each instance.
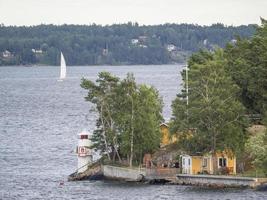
(227, 89)
(118, 44)
(227, 109)
(44, 65)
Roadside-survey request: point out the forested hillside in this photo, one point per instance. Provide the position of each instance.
(112, 45)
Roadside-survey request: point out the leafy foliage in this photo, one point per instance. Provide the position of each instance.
(129, 117)
(256, 147)
(247, 65)
(223, 87)
(214, 116)
(102, 95)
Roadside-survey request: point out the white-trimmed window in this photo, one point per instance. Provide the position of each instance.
(205, 162)
(222, 162)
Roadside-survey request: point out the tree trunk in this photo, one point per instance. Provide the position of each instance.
(214, 155)
(132, 135)
(214, 163)
(113, 155)
(104, 133)
(116, 149)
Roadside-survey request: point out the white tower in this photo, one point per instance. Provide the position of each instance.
(84, 153)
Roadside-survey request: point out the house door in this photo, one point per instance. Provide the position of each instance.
(186, 165)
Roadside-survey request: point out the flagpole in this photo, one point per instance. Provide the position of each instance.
(186, 75)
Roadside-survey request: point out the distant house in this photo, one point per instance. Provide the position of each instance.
(134, 41)
(37, 51)
(199, 163)
(6, 54)
(142, 38)
(142, 46)
(166, 137)
(203, 164)
(105, 52)
(233, 41)
(170, 47)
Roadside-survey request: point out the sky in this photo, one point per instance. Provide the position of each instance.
(148, 12)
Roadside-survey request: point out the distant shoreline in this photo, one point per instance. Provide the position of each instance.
(124, 44)
(93, 65)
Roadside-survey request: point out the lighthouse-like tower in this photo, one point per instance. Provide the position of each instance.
(84, 153)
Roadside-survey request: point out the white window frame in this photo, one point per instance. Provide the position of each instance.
(203, 162)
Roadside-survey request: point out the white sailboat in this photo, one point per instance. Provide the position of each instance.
(62, 68)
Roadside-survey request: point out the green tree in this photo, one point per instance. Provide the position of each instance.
(147, 132)
(27, 56)
(127, 96)
(256, 147)
(102, 95)
(140, 109)
(129, 116)
(247, 65)
(214, 113)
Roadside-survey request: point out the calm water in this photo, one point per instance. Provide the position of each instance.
(39, 120)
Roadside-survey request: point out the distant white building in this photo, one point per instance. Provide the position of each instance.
(233, 41)
(6, 54)
(205, 42)
(37, 51)
(170, 47)
(105, 52)
(142, 46)
(134, 41)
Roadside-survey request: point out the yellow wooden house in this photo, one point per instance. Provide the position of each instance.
(202, 164)
(199, 164)
(166, 137)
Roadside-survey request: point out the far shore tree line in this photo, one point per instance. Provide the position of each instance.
(116, 44)
(225, 87)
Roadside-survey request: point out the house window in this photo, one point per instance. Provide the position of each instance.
(205, 162)
(189, 162)
(222, 162)
(84, 137)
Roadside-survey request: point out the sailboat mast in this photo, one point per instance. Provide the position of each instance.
(187, 96)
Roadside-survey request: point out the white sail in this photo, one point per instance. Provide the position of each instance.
(62, 67)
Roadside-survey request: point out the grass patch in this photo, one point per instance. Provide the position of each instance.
(253, 173)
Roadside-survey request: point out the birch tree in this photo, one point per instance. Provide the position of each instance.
(129, 117)
(102, 95)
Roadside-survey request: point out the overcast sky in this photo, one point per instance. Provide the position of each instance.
(203, 12)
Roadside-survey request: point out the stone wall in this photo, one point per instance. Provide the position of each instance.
(217, 181)
(119, 173)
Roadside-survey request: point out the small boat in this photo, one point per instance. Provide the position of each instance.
(62, 68)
